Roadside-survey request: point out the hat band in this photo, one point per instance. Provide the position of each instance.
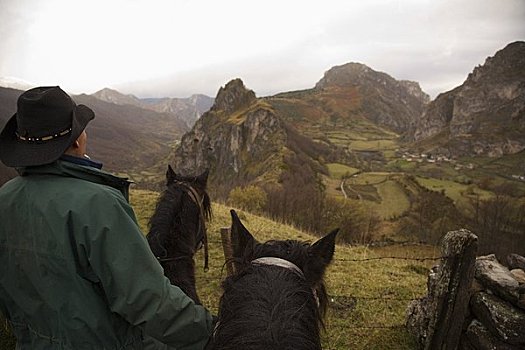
(44, 138)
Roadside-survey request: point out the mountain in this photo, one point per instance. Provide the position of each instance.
(242, 139)
(113, 96)
(187, 110)
(129, 140)
(352, 103)
(382, 99)
(483, 116)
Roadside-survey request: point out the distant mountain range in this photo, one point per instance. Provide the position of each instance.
(129, 139)
(15, 83)
(187, 110)
(354, 115)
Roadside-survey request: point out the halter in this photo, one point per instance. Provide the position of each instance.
(273, 261)
(194, 196)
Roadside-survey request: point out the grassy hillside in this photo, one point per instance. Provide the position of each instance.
(368, 298)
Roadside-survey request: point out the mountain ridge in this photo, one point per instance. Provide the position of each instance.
(187, 110)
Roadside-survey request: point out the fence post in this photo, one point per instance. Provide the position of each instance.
(227, 249)
(437, 319)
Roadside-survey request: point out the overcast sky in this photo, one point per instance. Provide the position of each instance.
(177, 48)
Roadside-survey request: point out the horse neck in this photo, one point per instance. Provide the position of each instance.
(177, 240)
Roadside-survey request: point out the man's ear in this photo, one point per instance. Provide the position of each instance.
(170, 175)
(320, 255)
(202, 179)
(242, 241)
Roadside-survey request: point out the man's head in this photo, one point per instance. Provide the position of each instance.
(46, 125)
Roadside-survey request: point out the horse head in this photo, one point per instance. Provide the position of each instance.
(307, 260)
(276, 297)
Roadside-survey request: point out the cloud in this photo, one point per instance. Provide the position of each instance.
(177, 47)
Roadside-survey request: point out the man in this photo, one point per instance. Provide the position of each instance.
(75, 270)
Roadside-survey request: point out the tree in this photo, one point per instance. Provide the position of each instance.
(432, 214)
(499, 223)
(250, 198)
(355, 221)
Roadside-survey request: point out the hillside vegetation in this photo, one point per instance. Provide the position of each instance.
(368, 298)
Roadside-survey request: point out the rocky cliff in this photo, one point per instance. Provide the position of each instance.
(240, 139)
(483, 116)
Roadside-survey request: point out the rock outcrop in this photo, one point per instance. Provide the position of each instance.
(483, 116)
(240, 140)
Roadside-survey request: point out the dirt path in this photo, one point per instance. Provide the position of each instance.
(351, 189)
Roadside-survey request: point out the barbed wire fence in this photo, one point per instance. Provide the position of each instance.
(345, 303)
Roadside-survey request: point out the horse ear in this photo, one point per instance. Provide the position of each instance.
(242, 240)
(320, 255)
(202, 179)
(170, 175)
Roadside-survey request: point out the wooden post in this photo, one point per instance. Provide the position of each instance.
(228, 250)
(437, 320)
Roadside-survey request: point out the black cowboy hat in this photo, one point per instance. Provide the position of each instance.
(46, 123)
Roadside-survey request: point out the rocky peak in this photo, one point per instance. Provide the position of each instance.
(508, 63)
(486, 114)
(414, 89)
(113, 96)
(236, 144)
(358, 74)
(386, 101)
(351, 74)
(233, 97)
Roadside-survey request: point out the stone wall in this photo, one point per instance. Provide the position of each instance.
(472, 303)
(497, 305)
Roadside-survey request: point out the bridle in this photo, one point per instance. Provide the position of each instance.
(273, 261)
(201, 228)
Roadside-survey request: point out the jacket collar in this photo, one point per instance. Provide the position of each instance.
(69, 169)
(81, 161)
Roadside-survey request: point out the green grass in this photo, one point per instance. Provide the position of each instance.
(394, 201)
(373, 145)
(370, 178)
(456, 191)
(338, 170)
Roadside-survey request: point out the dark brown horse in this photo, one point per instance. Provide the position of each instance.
(276, 299)
(178, 228)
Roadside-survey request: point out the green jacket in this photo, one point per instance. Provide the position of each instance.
(76, 271)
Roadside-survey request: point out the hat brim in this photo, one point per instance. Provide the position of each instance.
(16, 153)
